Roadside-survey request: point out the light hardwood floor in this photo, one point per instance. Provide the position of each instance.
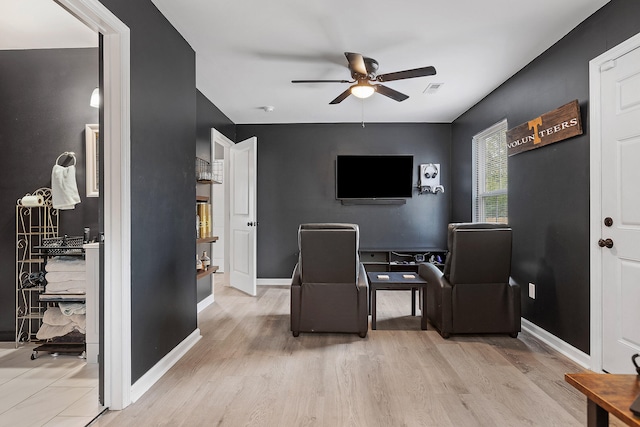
(49, 391)
(248, 370)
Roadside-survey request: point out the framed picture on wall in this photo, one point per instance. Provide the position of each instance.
(92, 135)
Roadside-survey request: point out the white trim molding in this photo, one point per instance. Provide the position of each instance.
(274, 282)
(205, 303)
(557, 344)
(152, 376)
(117, 195)
(91, 136)
(595, 208)
(218, 138)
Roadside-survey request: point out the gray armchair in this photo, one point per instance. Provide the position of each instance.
(329, 289)
(475, 293)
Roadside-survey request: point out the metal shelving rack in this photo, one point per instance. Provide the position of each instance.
(209, 173)
(33, 225)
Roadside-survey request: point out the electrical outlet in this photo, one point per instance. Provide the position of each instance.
(532, 291)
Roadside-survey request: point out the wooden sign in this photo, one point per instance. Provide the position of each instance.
(554, 126)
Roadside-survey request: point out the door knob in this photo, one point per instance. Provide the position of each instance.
(605, 242)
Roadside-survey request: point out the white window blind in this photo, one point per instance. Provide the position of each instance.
(490, 174)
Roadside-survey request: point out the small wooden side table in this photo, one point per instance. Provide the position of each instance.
(607, 394)
(397, 281)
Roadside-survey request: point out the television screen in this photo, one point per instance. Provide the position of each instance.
(374, 177)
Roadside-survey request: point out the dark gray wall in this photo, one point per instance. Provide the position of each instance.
(208, 116)
(296, 184)
(549, 186)
(163, 137)
(45, 106)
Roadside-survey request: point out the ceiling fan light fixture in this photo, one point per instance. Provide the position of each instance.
(362, 90)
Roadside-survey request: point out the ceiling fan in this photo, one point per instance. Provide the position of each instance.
(363, 72)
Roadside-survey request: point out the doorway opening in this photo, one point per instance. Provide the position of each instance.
(115, 245)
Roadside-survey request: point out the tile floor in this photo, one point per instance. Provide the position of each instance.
(49, 391)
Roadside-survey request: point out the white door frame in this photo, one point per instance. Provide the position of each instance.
(218, 138)
(117, 197)
(596, 194)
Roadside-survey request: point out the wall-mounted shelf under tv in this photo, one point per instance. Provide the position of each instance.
(348, 202)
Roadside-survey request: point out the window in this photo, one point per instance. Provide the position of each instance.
(490, 174)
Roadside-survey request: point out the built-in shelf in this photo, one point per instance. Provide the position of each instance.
(205, 176)
(203, 273)
(207, 240)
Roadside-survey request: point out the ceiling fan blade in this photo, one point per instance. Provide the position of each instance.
(341, 97)
(321, 81)
(393, 94)
(356, 63)
(407, 74)
(371, 65)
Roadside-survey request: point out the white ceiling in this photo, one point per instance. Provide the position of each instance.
(41, 24)
(247, 52)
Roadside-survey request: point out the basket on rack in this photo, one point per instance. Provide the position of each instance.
(65, 245)
(209, 173)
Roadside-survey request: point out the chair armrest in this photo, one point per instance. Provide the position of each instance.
(429, 272)
(514, 286)
(433, 276)
(296, 300)
(514, 298)
(439, 298)
(363, 283)
(363, 301)
(296, 278)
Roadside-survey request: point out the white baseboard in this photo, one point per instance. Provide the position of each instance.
(274, 282)
(205, 303)
(145, 382)
(557, 344)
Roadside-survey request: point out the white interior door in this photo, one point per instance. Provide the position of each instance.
(243, 218)
(620, 201)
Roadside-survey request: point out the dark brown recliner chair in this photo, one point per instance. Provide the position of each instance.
(329, 288)
(475, 293)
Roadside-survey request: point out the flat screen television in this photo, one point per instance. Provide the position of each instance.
(374, 177)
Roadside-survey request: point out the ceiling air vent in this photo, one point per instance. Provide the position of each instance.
(433, 88)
